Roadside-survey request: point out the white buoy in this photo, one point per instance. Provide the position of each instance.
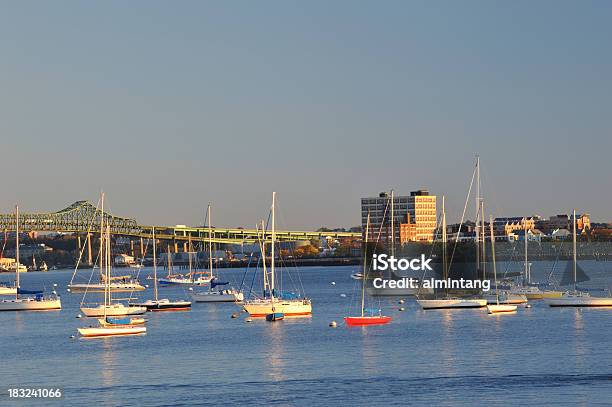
(527, 305)
(146, 285)
(401, 301)
(54, 292)
(333, 283)
(234, 315)
(333, 324)
(79, 316)
(248, 320)
(190, 288)
(402, 309)
(72, 336)
(54, 284)
(343, 295)
(68, 289)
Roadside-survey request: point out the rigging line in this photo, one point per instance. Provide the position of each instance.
(467, 198)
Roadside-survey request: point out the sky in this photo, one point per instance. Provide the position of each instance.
(167, 106)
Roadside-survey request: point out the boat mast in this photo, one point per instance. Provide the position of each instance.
(17, 250)
(108, 270)
(574, 245)
(444, 238)
(365, 268)
(102, 252)
(493, 258)
(527, 276)
(154, 266)
(484, 241)
(272, 277)
(477, 235)
(210, 261)
(189, 256)
(392, 224)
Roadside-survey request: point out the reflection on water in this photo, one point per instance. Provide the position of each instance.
(448, 346)
(370, 353)
(275, 337)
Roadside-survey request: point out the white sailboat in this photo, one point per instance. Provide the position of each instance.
(530, 291)
(211, 295)
(577, 298)
(449, 302)
(271, 304)
(107, 325)
(165, 304)
(497, 307)
(109, 308)
(37, 303)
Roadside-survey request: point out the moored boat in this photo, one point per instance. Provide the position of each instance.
(500, 308)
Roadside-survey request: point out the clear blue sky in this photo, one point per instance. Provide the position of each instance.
(169, 105)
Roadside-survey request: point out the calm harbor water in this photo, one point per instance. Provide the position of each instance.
(537, 356)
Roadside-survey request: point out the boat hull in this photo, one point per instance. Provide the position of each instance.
(165, 305)
(262, 308)
(501, 308)
(106, 331)
(579, 301)
(99, 288)
(453, 303)
(30, 304)
(114, 310)
(183, 281)
(363, 321)
(216, 296)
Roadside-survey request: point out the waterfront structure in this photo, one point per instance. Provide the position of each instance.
(78, 217)
(414, 217)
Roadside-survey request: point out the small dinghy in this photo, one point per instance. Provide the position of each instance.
(275, 316)
(499, 308)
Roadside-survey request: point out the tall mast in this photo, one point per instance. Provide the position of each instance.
(272, 277)
(444, 240)
(477, 235)
(392, 223)
(365, 268)
(527, 276)
(107, 288)
(210, 261)
(574, 246)
(484, 242)
(493, 258)
(101, 235)
(189, 257)
(154, 265)
(17, 249)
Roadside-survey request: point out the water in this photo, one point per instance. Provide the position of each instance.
(203, 357)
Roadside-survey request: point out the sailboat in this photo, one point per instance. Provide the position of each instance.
(179, 279)
(366, 319)
(577, 298)
(226, 295)
(270, 303)
(109, 308)
(497, 307)
(531, 291)
(7, 288)
(449, 301)
(37, 303)
(164, 304)
(108, 325)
